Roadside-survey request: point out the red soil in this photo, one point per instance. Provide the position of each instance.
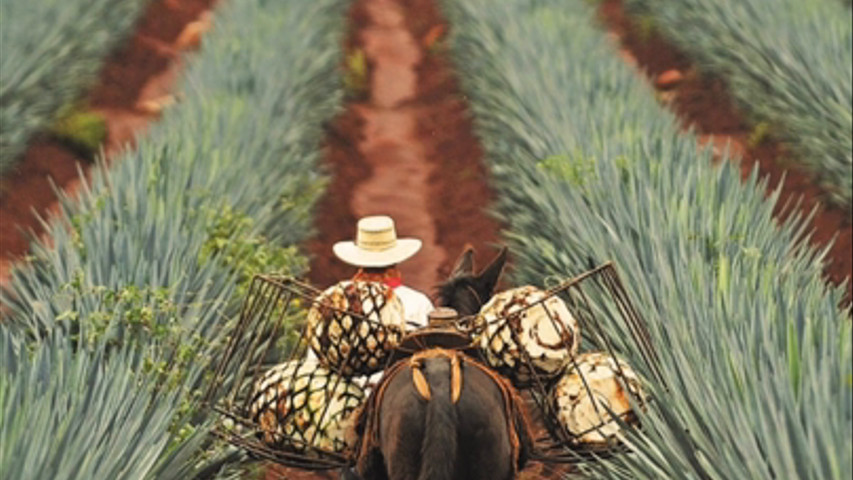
(407, 150)
(704, 103)
(136, 78)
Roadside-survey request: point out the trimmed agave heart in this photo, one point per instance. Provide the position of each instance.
(584, 394)
(354, 325)
(299, 404)
(526, 319)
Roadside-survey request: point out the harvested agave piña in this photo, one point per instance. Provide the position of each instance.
(586, 416)
(354, 325)
(527, 319)
(299, 404)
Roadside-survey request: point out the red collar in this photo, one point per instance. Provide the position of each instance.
(390, 277)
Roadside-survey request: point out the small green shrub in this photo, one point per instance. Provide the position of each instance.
(356, 74)
(760, 133)
(232, 241)
(577, 169)
(81, 128)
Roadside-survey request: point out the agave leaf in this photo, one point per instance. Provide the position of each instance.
(126, 298)
(788, 66)
(49, 54)
(726, 289)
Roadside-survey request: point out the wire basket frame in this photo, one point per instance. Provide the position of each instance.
(269, 330)
(591, 297)
(243, 383)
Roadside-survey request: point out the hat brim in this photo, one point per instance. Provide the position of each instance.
(350, 253)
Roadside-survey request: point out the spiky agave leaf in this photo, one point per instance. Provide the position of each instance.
(127, 265)
(49, 52)
(735, 301)
(71, 413)
(75, 410)
(790, 66)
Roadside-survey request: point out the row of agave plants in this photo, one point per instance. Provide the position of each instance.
(789, 64)
(755, 352)
(110, 330)
(50, 51)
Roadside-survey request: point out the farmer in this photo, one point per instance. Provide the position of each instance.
(376, 252)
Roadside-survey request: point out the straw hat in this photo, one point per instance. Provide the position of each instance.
(376, 244)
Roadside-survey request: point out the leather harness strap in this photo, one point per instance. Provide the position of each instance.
(416, 363)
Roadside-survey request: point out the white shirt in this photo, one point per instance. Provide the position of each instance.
(416, 306)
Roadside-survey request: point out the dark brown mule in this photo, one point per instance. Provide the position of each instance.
(440, 415)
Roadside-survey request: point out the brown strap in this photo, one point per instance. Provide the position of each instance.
(420, 382)
(416, 362)
(455, 378)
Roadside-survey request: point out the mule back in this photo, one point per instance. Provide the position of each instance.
(442, 415)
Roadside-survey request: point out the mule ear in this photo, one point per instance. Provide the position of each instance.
(489, 276)
(465, 263)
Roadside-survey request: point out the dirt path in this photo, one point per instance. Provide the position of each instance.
(705, 104)
(406, 149)
(133, 86)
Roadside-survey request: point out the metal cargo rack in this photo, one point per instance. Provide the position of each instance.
(270, 320)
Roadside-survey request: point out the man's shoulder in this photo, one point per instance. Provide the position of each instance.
(411, 294)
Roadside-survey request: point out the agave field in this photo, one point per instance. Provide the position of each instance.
(111, 323)
(755, 351)
(118, 315)
(49, 52)
(790, 66)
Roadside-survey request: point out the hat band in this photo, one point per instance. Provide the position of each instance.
(376, 241)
